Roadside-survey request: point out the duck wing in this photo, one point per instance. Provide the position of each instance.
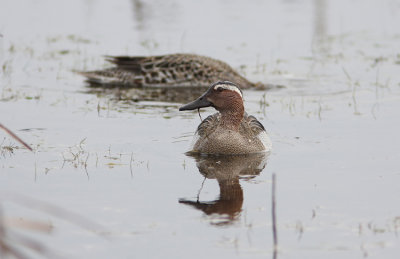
(256, 127)
(208, 125)
(254, 124)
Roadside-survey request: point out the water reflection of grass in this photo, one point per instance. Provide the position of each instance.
(17, 234)
(6, 149)
(79, 157)
(76, 156)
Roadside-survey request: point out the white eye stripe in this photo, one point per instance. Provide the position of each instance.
(228, 87)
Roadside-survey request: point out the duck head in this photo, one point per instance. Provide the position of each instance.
(224, 96)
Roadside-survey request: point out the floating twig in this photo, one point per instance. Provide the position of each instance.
(15, 136)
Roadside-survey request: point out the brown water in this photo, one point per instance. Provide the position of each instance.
(120, 164)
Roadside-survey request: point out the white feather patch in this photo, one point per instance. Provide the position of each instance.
(228, 87)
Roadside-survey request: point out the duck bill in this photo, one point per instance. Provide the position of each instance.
(199, 103)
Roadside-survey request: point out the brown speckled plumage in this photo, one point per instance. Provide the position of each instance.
(215, 139)
(175, 70)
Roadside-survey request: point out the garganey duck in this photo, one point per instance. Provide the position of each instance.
(231, 130)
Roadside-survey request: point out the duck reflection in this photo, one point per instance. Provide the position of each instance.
(227, 170)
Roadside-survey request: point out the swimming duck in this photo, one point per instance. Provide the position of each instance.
(231, 130)
(174, 70)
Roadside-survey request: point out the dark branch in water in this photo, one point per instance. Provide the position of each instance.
(15, 136)
(274, 231)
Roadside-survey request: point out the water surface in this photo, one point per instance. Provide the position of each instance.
(120, 163)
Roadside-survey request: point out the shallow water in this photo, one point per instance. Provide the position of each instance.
(120, 163)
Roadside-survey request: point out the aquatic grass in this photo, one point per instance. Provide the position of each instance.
(353, 84)
(111, 159)
(263, 104)
(6, 150)
(130, 164)
(76, 156)
(79, 157)
(10, 94)
(370, 227)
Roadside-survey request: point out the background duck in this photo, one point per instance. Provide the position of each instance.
(174, 70)
(231, 130)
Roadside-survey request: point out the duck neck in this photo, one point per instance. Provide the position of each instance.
(232, 116)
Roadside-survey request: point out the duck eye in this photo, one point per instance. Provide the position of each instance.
(220, 89)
